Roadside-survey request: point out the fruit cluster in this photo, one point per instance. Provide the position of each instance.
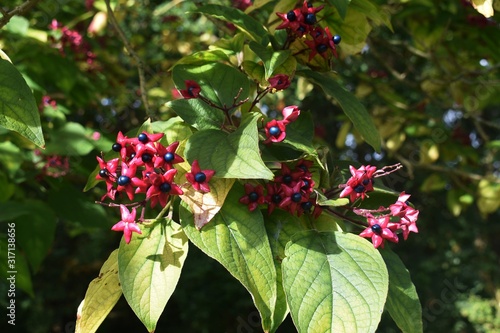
(292, 190)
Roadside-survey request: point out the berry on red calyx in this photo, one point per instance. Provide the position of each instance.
(321, 48)
(276, 198)
(169, 157)
(310, 19)
(103, 173)
(366, 182)
(200, 177)
(296, 197)
(336, 39)
(143, 138)
(287, 179)
(274, 131)
(123, 180)
(359, 189)
(146, 158)
(165, 187)
(291, 16)
(116, 147)
(253, 196)
(306, 206)
(376, 229)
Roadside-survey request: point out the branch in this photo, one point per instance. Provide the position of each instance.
(19, 10)
(133, 54)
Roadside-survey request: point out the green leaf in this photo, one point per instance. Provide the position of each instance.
(18, 25)
(11, 157)
(238, 240)
(18, 109)
(220, 83)
(23, 275)
(70, 140)
(149, 269)
(197, 113)
(204, 57)
(280, 226)
(356, 112)
(101, 296)
(402, 301)
(175, 129)
(300, 134)
(271, 59)
(372, 11)
(35, 232)
(340, 5)
(234, 155)
(334, 282)
(248, 25)
(256, 71)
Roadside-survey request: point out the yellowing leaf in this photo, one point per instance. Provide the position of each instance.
(484, 7)
(205, 205)
(101, 296)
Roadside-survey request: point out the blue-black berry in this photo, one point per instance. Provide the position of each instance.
(274, 131)
(359, 189)
(321, 48)
(165, 187)
(306, 206)
(253, 196)
(336, 39)
(310, 19)
(123, 180)
(116, 147)
(146, 157)
(143, 138)
(376, 229)
(366, 182)
(276, 198)
(287, 179)
(168, 157)
(296, 197)
(291, 16)
(306, 186)
(103, 173)
(200, 177)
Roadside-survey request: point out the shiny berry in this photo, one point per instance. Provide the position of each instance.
(310, 19)
(200, 177)
(103, 173)
(376, 229)
(296, 197)
(146, 158)
(306, 186)
(276, 198)
(274, 131)
(168, 157)
(165, 187)
(336, 39)
(123, 180)
(253, 196)
(287, 179)
(306, 206)
(321, 48)
(116, 147)
(291, 16)
(132, 155)
(366, 182)
(143, 138)
(359, 189)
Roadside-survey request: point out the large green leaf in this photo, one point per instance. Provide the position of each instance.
(375, 13)
(334, 282)
(281, 226)
(402, 301)
(71, 139)
(197, 113)
(247, 24)
(220, 83)
(18, 109)
(238, 240)
(350, 105)
(270, 58)
(234, 155)
(101, 296)
(174, 129)
(35, 231)
(149, 269)
(341, 6)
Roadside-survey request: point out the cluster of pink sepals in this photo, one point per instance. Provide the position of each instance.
(71, 39)
(302, 22)
(384, 222)
(146, 166)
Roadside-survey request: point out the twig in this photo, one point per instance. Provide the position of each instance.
(19, 10)
(133, 54)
